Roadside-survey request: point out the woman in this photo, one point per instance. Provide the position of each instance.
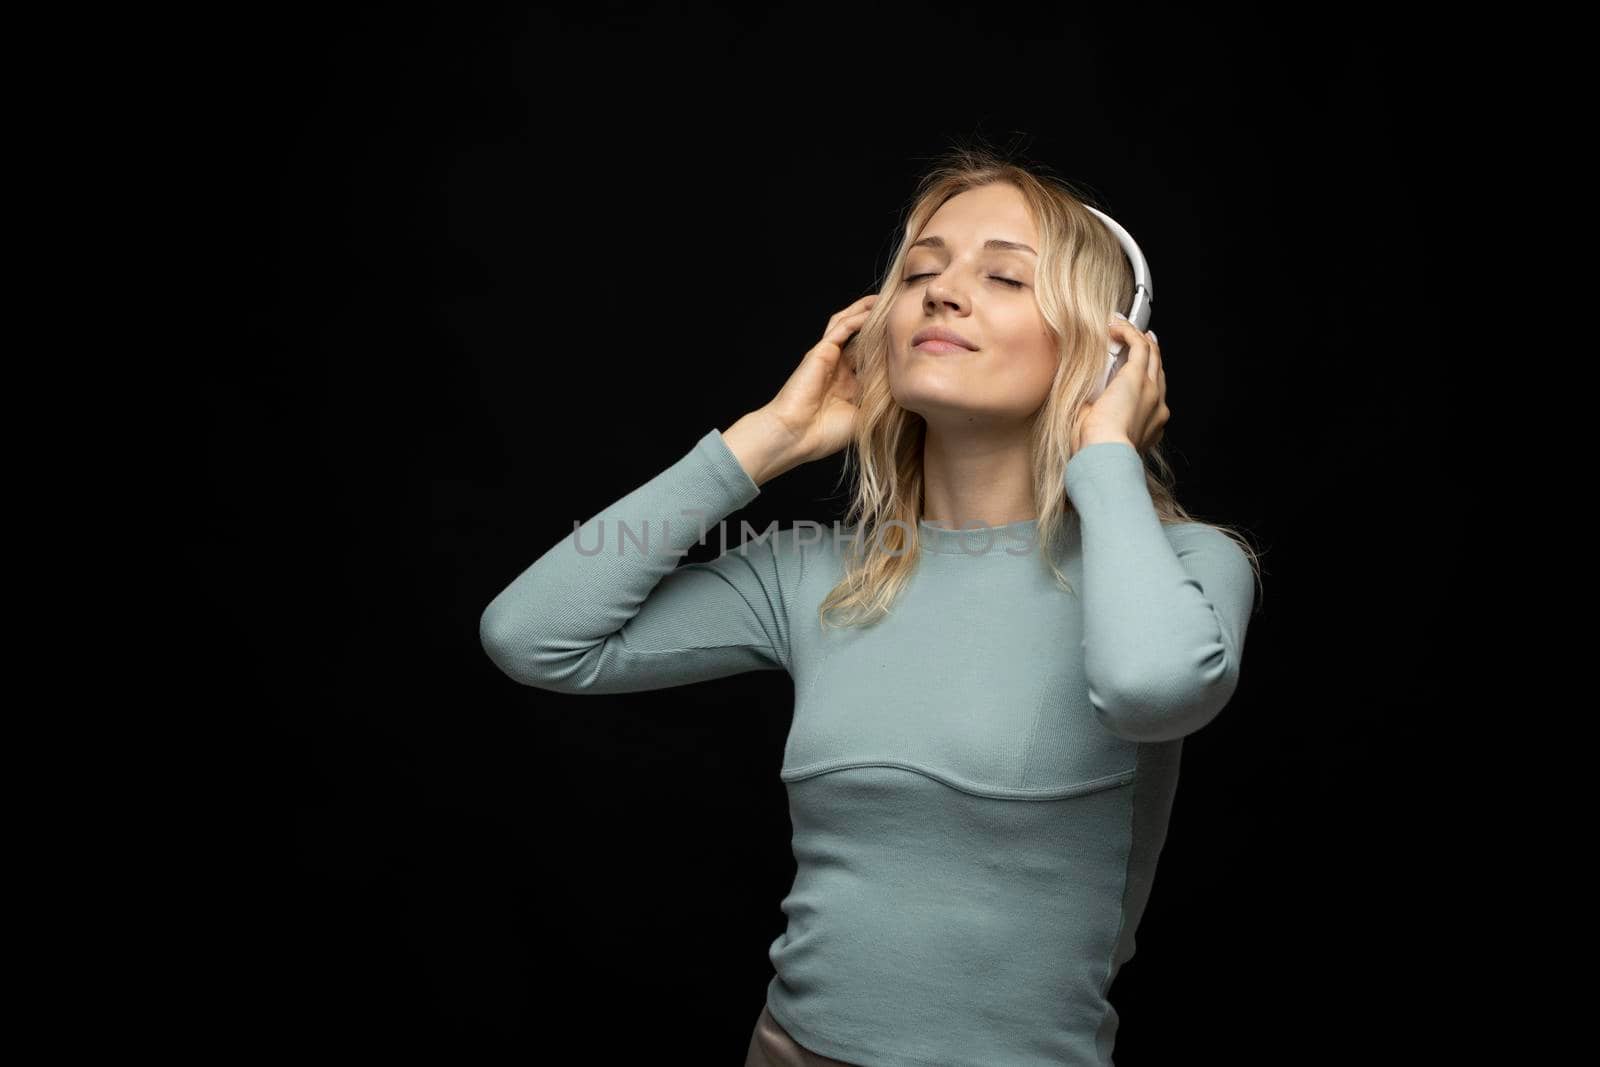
(987, 724)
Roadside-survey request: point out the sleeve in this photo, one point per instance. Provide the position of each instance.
(609, 610)
(1165, 605)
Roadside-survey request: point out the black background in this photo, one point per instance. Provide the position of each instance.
(514, 262)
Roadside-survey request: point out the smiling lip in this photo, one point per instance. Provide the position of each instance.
(939, 339)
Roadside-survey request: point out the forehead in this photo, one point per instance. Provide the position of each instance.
(971, 217)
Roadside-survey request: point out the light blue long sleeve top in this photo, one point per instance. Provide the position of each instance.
(979, 783)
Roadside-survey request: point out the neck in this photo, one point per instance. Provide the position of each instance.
(977, 478)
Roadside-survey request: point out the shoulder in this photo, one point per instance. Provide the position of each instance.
(1207, 544)
(1205, 550)
(1198, 535)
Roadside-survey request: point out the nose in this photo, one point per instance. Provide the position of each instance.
(936, 295)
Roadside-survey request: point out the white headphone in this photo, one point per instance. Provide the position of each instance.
(1144, 295)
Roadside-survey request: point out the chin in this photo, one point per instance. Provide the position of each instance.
(935, 401)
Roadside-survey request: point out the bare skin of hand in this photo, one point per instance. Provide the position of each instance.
(814, 414)
(1133, 408)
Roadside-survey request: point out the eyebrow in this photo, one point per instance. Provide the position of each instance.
(993, 242)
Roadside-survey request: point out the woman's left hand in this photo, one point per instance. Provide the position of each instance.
(1133, 407)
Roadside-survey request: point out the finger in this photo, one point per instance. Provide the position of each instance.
(1155, 355)
(840, 331)
(845, 317)
(1136, 343)
(865, 302)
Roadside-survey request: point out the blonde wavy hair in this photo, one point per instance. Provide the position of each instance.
(1083, 275)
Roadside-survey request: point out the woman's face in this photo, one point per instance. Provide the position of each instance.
(987, 296)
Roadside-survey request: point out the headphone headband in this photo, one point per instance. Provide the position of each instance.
(1144, 295)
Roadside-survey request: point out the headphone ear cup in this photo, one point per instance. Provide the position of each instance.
(1119, 356)
(1114, 361)
(1116, 357)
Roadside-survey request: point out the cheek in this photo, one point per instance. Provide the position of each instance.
(902, 318)
(1036, 361)
(1029, 340)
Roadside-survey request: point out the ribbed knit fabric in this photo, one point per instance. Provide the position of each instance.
(979, 783)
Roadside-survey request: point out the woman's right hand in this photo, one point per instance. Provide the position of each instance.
(816, 408)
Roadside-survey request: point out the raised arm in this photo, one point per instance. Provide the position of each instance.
(1165, 606)
(627, 617)
(622, 620)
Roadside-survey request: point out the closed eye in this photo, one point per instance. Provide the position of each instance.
(996, 277)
